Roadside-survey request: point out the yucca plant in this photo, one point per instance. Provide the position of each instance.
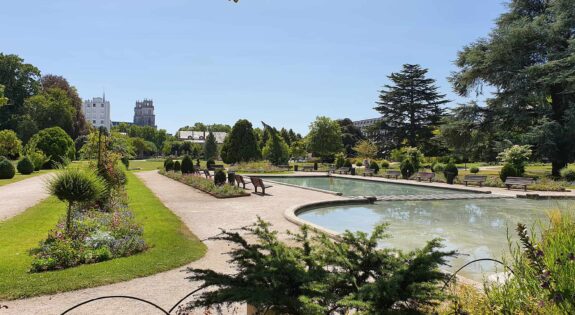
(74, 186)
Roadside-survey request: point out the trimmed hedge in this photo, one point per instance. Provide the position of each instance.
(7, 170)
(25, 166)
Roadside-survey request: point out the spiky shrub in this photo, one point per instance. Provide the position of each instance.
(76, 186)
(317, 275)
(177, 166)
(220, 178)
(374, 166)
(187, 166)
(169, 164)
(544, 270)
(7, 170)
(25, 166)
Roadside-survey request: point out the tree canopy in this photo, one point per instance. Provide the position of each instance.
(324, 137)
(529, 58)
(240, 144)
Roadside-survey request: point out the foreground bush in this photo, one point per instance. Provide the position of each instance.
(317, 275)
(97, 236)
(25, 166)
(7, 170)
(206, 185)
(38, 158)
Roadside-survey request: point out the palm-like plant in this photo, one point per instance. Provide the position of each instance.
(74, 186)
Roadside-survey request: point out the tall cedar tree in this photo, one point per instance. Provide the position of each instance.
(350, 135)
(411, 109)
(241, 144)
(529, 58)
(210, 147)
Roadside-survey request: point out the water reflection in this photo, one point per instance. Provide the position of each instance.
(476, 228)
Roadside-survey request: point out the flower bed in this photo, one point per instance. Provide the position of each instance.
(207, 186)
(95, 236)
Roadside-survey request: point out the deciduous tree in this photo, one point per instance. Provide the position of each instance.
(324, 137)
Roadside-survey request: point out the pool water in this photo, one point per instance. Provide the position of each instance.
(477, 228)
(358, 187)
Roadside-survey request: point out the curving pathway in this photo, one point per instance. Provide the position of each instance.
(19, 196)
(204, 215)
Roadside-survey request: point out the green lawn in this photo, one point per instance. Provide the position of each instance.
(20, 177)
(172, 246)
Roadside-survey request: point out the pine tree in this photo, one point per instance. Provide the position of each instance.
(210, 147)
(241, 144)
(411, 109)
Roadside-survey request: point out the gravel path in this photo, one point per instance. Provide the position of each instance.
(203, 214)
(19, 196)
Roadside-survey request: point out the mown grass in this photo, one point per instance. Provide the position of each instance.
(171, 245)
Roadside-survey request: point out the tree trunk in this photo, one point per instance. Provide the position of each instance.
(69, 218)
(559, 105)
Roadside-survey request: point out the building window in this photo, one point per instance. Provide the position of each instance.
(101, 122)
(94, 105)
(93, 121)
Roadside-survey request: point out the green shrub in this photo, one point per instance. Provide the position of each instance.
(169, 164)
(407, 169)
(206, 185)
(474, 170)
(25, 166)
(568, 173)
(548, 184)
(517, 156)
(374, 166)
(438, 167)
(210, 164)
(220, 177)
(508, 170)
(177, 166)
(7, 170)
(74, 186)
(450, 172)
(55, 143)
(339, 160)
(359, 164)
(38, 159)
(10, 145)
(126, 161)
(385, 164)
(347, 163)
(187, 165)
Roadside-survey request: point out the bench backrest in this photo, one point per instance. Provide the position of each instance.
(256, 181)
(307, 167)
(473, 178)
(345, 169)
(519, 180)
(425, 175)
(239, 179)
(393, 172)
(369, 170)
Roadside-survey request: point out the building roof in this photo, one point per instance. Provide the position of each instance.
(200, 136)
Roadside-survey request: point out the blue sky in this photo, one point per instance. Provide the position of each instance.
(283, 62)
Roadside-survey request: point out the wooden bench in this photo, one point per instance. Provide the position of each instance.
(479, 179)
(307, 169)
(240, 180)
(368, 171)
(258, 182)
(214, 167)
(395, 174)
(343, 170)
(518, 181)
(425, 176)
(207, 174)
(287, 167)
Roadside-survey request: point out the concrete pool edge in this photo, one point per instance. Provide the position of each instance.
(303, 187)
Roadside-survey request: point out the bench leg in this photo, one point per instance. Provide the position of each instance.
(525, 188)
(263, 190)
(480, 184)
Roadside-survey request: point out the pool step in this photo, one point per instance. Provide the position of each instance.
(436, 197)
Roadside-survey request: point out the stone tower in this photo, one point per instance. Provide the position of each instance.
(144, 113)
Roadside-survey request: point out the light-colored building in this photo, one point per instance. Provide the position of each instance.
(144, 113)
(97, 112)
(365, 124)
(200, 136)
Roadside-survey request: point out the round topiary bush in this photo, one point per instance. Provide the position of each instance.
(220, 177)
(568, 173)
(474, 170)
(25, 166)
(374, 166)
(407, 169)
(187, 165)
(55, 143)
(358, 164)
(385, 164)
(506, 171)
(169, 165)
(450, 172)
(7, 170)
(177, 166)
